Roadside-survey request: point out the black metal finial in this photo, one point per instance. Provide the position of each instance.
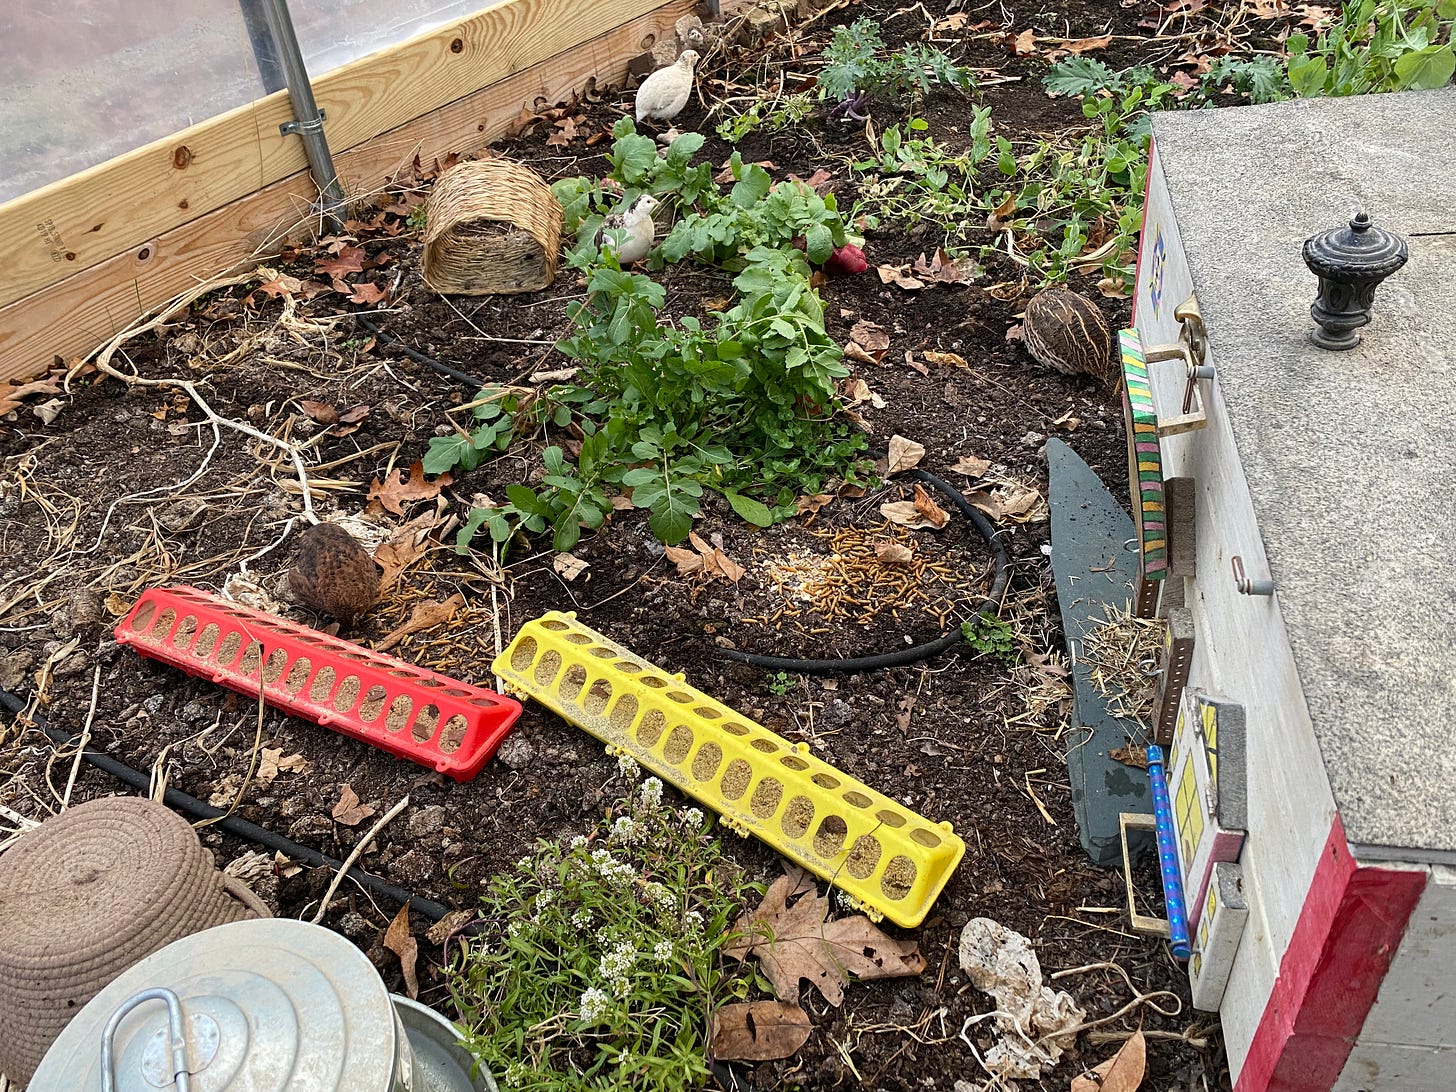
(1350, 263)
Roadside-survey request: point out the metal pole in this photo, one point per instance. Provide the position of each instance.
(264, 51)
(310, 119)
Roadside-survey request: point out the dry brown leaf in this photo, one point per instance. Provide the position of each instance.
(796, 942)
(810, 505)
(282, 285)
(941, 268)
(926, 506)
(758, 1031)
(10, 397)
(426, 615)
(852, 351)
(893, 553)
(855, 391)
(1114, 288)
(971, 466)
(1010, 501)
(688, 562)
(399, 940)
(403, 548)
(272, 762)
(954, 360)
(1023, 44)
(1068, 421)
(1123, 1072)
(449, 925)
(349, 811)
(899, 275)
(902, 454)
(871, 336)
(708, 561)
(395, 491)
(905, 514)
(1087, 45)
(999, 218)
(569, 566)
(911, 362)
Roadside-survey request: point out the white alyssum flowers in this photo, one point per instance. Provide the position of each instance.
(693, 819)
(651, 793)
(662, 951)
(616, 966)
(628, 768)
(625, 829)
(594, 1004)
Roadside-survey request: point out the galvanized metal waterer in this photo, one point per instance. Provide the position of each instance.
(255, 1006)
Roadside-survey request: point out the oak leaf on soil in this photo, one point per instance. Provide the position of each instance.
(797, 942)
(395, 491)
(758, 1031)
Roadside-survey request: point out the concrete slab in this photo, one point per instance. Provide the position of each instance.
(1093, 570)
(1350, 457)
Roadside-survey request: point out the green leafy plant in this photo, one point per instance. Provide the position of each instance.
(741, 402)
(767, 117)
(601, 959)
(915, 180)
(858, 68)
(988, 635)
(1393, 45)
(780, 683)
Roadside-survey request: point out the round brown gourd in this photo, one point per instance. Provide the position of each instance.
(1066, 331)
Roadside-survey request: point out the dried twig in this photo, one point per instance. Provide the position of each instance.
(354, 855)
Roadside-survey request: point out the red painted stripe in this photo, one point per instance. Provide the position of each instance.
(1137, 276)
(1346, 936)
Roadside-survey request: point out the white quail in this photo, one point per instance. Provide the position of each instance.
(630, 234)
(664, 93)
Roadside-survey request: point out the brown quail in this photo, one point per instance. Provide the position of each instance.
(1067, 332)
(334, 574)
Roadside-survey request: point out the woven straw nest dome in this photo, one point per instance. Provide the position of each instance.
(84, 896)
(492, 227)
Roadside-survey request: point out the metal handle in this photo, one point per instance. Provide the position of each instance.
(1247, 585)
(174, 1025)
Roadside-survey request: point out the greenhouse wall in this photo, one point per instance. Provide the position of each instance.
(86, 81)
(103, 220)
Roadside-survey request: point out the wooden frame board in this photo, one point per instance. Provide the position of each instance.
(72, 317)
(118, 206)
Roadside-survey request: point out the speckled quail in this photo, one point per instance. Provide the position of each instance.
(334, 574)
(631, 233)
(1066, 331)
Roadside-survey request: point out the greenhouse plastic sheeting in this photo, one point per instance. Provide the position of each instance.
(82, 81)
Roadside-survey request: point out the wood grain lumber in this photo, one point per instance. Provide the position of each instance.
(73, 316)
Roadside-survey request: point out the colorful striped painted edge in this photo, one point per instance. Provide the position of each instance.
(1147, 456)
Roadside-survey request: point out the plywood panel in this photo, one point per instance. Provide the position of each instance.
(76, 223)
(73, 317)
(1242, 650)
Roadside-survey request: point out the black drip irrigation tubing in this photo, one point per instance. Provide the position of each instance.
(240, 828)
(419, 357)
(850, 665)
(915, 654)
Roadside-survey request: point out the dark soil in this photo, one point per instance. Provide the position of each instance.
(92, 515)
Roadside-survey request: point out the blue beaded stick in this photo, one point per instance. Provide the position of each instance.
(1168, 855)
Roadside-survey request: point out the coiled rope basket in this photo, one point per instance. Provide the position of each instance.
(87, 894)
(492, 227)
